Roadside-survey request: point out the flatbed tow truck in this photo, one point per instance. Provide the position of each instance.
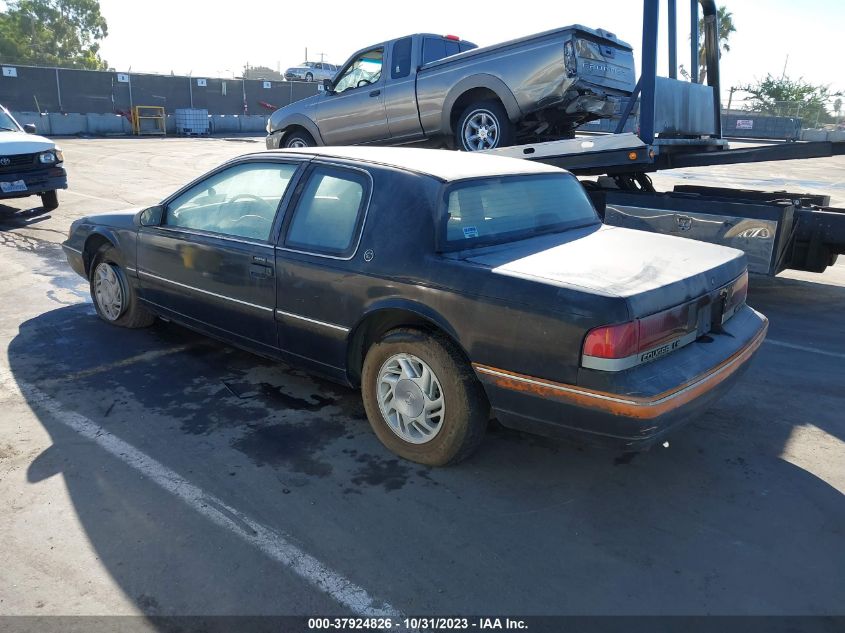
(680, 126)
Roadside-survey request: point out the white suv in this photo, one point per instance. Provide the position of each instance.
(29, 164)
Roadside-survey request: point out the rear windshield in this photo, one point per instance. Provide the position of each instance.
(502, 209)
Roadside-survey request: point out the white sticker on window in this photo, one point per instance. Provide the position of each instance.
(470, 231)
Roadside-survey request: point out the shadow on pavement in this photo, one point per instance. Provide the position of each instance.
(720, 523)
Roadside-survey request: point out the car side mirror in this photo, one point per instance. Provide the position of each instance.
(29, 128)
(328, 86)
(151, 216)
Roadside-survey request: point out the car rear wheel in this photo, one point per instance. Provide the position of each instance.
(299, 138)
(422, 398)
(484, 125)
(50, 200)
(114, 297)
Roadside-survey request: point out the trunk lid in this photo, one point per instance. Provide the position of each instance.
(651, 272)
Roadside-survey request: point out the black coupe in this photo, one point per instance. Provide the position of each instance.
(450, 286)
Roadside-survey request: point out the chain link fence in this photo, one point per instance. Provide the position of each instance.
(66, 90)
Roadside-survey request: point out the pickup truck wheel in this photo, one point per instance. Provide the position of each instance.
(50, 200)
(422, 399)
(299, 138)
(114, 298)
(484, 125)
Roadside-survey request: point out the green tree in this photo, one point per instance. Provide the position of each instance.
(782, 96)
(53, 33)
(262, 72)
(726, 27)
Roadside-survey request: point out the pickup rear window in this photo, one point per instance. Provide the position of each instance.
(502, 209)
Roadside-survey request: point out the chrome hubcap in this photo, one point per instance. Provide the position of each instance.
(297, 143)
(108, 291)
(481, 131)
(410, 398)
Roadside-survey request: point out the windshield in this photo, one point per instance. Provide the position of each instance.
(7, 123)
(495, 210)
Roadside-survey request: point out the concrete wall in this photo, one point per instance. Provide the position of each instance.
(823, 135)
(101, 92)
(54, 124)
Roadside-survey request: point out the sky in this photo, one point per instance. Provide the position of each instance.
(216, 39)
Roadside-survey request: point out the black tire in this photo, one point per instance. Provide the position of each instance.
(309, 77)
(50, 200)
(493, 109)
(298, 138)
(466, 407)
(132, 315)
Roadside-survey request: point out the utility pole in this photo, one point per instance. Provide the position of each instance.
(730, 98)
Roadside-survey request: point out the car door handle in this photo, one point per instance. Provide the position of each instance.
(375, 93)
(260, 271)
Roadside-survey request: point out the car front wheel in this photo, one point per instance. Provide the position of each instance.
(50, 200)
(422, 398)
(299, 138)
(114, 297)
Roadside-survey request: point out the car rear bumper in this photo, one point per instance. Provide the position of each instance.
(645, 410)
(36, 181)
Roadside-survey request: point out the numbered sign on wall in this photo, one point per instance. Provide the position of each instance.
(201, 82)
(8, 71)
(123, 78)
(268, 85)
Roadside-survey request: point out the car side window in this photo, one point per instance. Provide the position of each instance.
(434, 48)
(240, 201)
(366, 68)
(329, 215)
(401, 62)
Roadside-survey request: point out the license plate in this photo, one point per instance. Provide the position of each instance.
(12, 187)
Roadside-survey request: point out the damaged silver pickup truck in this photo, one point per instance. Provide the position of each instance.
(440, 90)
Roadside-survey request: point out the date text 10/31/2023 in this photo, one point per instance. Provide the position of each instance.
(418, 624)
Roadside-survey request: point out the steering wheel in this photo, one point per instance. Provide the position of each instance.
(249, 196)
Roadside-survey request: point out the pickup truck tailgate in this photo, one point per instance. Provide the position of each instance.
(602, 61)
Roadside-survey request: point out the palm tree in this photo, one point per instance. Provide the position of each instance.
(726, 27)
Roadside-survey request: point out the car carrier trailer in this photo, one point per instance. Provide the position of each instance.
(680, 126)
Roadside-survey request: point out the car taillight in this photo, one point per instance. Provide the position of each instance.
(569, 61)
(622, 346)
(665, 326)
(613, 341)
(737, 295)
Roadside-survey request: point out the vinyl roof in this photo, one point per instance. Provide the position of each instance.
(443, 164)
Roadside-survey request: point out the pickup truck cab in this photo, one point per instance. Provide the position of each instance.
(440, 90)
(29, 164)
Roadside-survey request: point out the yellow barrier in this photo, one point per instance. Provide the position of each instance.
(149, 113)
